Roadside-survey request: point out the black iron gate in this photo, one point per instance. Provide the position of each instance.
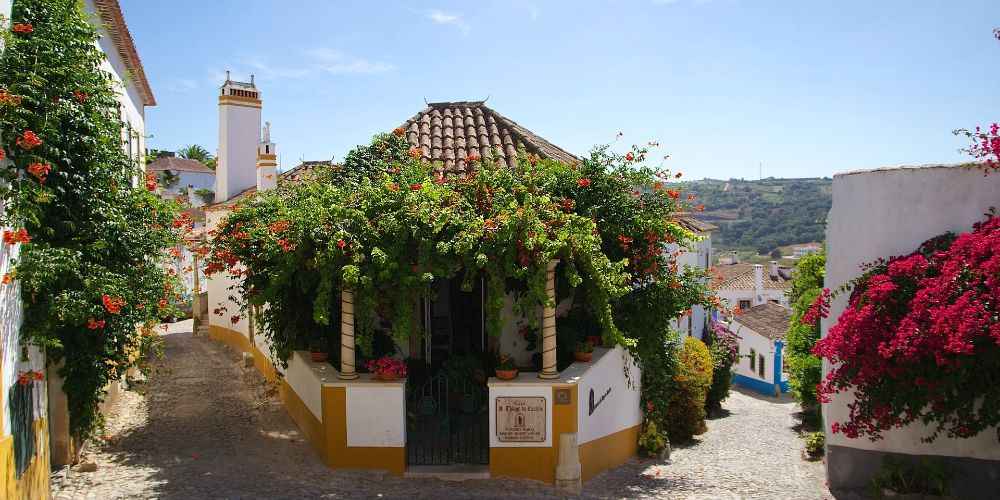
(447, 422)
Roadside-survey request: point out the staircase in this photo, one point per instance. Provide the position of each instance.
(202, 329)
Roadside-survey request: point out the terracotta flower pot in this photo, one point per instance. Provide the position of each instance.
(319, 357)
(386, 377)
(583, 357)
(506, 374)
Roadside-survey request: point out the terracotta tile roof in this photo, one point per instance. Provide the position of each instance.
(740, 277)
(768, 319)
(687, 221)
(179, 165)
(447, 132)
(299, 173)
(114, 21)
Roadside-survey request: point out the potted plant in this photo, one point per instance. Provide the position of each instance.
(584, 351)
(506, 369)
(815, 442)
(317, 350)
(594, 340)
(387, 368)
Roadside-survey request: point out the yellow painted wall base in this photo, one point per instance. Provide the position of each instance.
(341, 456)
(34, 483)
(608, 452)
(310, 426)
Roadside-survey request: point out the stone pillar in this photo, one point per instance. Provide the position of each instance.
(347, 368)
(568, 469)
(549, 325)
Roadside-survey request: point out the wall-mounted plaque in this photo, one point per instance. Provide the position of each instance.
(563, 397)
(520, 420)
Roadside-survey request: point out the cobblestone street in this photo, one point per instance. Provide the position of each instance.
(204, 427)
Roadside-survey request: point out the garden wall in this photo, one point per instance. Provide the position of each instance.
(887, 212)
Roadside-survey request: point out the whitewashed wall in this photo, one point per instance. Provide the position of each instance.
(699, 256)
(376, 415)
(218, 290)
(605, 378)
(750, 339)
(129, 95)
(886, 212)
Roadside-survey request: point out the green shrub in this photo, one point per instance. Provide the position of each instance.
(924, 476)
(804, 368)
(651, 440)
(686, 412)
(724, 348)
(815, 442)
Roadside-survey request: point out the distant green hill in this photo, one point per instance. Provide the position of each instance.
(764, 214)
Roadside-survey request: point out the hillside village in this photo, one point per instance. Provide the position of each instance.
(462, 308)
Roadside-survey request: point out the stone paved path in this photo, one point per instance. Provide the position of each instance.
(204, 427)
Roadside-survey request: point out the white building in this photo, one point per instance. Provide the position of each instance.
(745, 285)
(803, 250)
(698, 256)
(760, 364)
(190, 175)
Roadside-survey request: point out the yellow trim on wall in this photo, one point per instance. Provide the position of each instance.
(341, 456)
(538, 463)
(34, 483)
(608, 452)
(240, 100)
(266, 157)
(310, 426)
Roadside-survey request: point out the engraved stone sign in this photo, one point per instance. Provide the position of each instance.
(520, 420)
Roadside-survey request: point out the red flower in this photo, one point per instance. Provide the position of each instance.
(279, 226)
(624, 241)
(94, 324)
(79, 96)
(40, 171)
(28, 141)
(112, 304)
(14, 237)
(341, 244)
(398, 132)
(629, 156)
(416, 153)
(678, 175)
(284, 244)
(583, 182)
(416, 186)
(673, 194)
(163, 303)
(489, 225)
(235, 319)
(150, 182)
(700, 208)
(472, 157)
(9, 99)
(24, 28)
(39, 375)
(24, 378)
(7, 278)
(2, 154)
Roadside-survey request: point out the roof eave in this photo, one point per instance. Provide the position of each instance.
(114, 20)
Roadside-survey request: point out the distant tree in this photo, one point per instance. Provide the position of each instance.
(197, 153)
(776, 253)
(805, 369)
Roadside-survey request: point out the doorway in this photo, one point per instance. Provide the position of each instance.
(447, 419)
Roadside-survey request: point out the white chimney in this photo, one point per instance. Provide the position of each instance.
(239, 136)
(267, 160)
(774, 270)
(758, 284)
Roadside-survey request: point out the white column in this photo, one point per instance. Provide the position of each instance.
(347, 371)
(549, 324)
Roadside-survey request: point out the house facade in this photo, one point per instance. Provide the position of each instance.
(42, 406)
(559, 427)
(760, 364)
(745, 285)
(696, 322)
(186, 178)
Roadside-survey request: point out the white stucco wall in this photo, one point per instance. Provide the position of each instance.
(605, 377)
(376, 415)
(218, 290)
(750, 339)
(698, 256)
(303, 380)
(130, 98)
(239, 133)
(888, 212)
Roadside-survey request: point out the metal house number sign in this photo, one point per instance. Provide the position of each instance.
(520, 420)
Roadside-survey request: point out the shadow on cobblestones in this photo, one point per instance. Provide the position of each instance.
(204, 427)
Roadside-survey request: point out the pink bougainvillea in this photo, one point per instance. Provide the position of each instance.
(919, 335)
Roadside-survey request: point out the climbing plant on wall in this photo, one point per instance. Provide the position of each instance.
(91, 240)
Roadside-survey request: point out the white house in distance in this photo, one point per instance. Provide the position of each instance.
(191, 175)
(761, 329)
(744, 285)
(700, 256)
(49, 414)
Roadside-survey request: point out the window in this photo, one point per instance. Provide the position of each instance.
(760, 366)
(753, 360)
(744, 304)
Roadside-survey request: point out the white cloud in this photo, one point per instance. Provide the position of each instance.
(336, 62)
(315, 62)
(441, 17)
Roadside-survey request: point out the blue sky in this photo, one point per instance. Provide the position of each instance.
(808, 88)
